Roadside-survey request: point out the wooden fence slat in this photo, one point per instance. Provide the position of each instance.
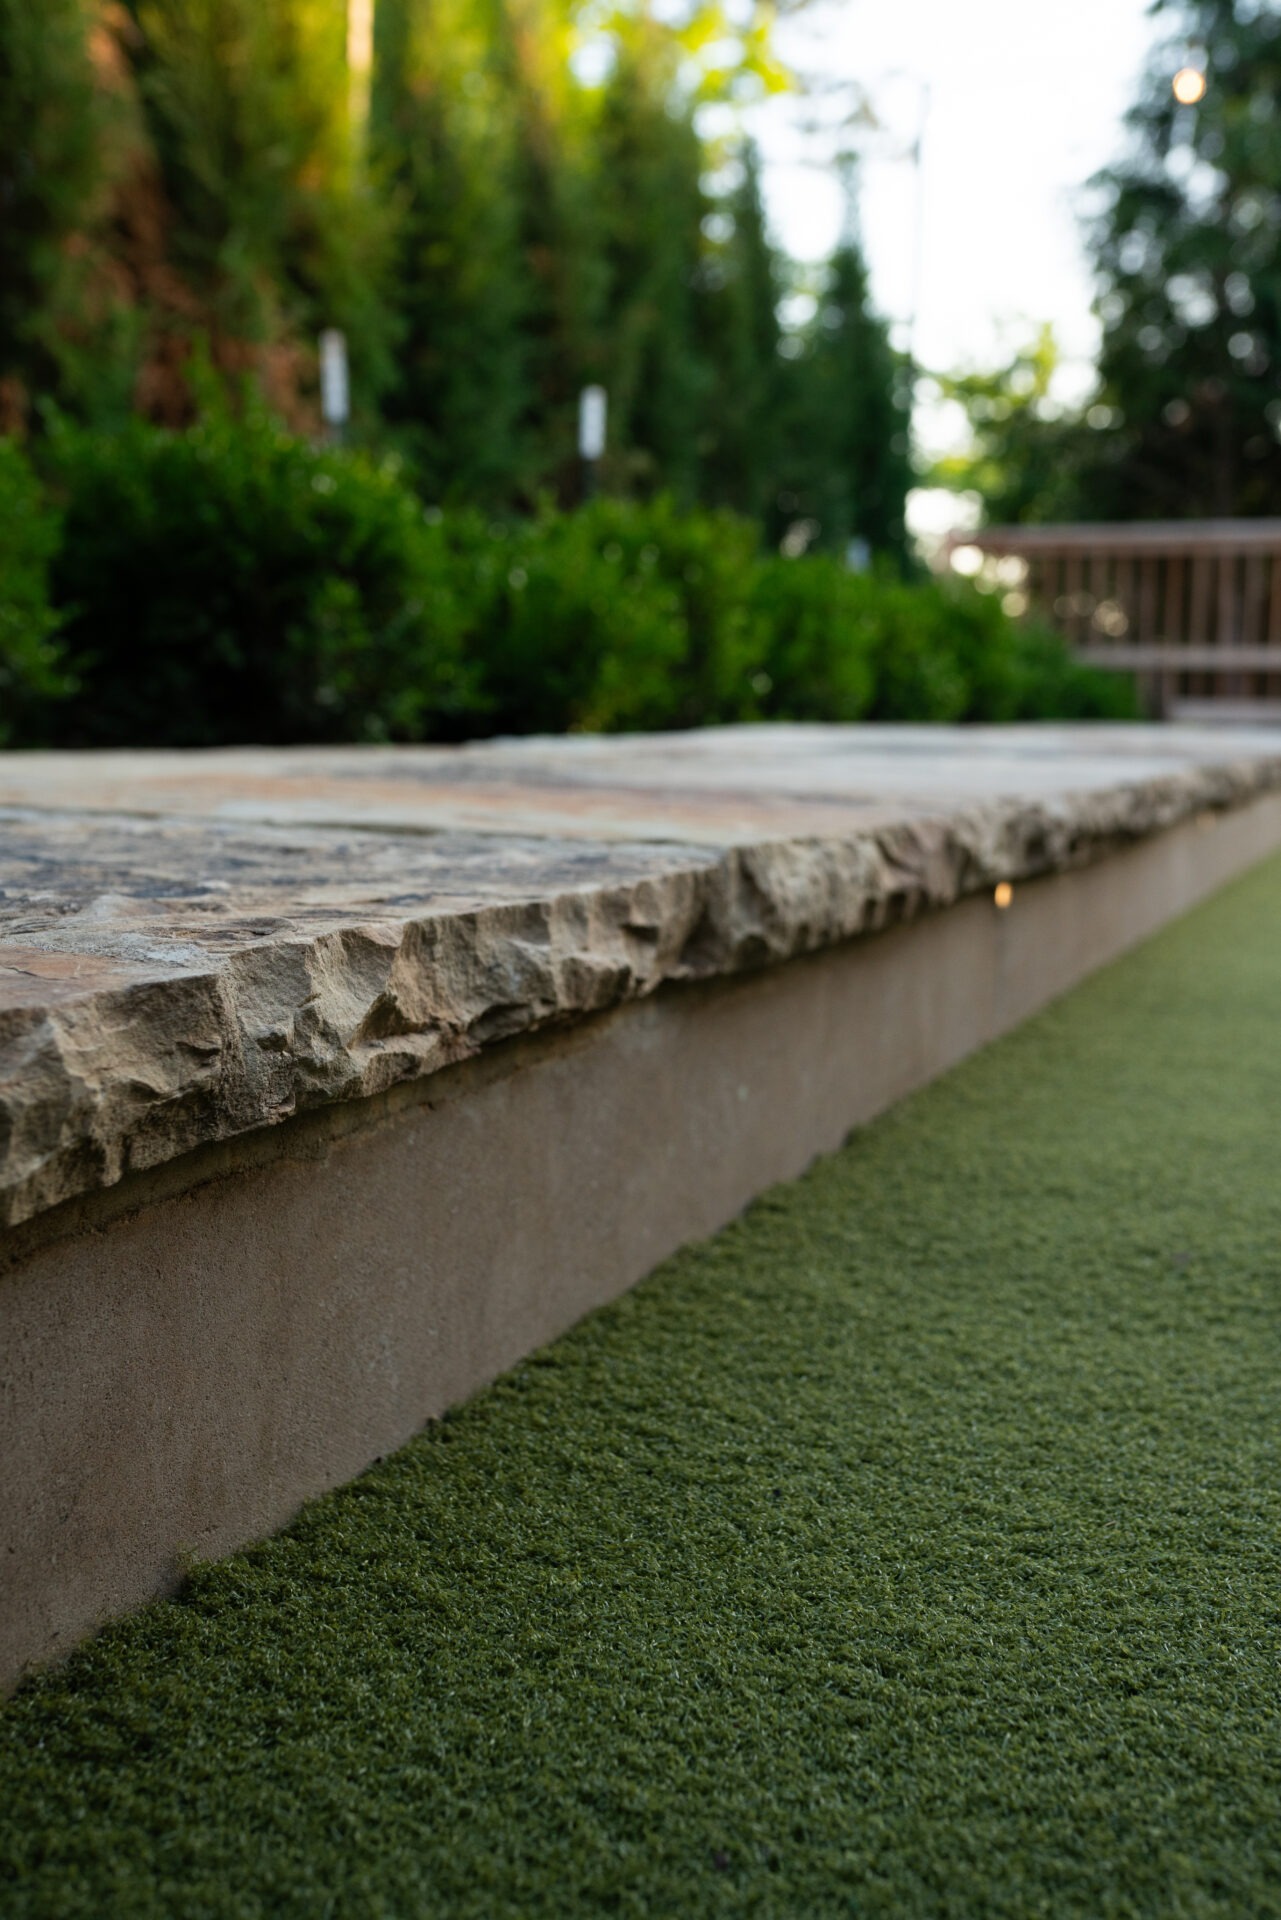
(1096, 579)
(1201, 600)
(1227, 619)
(1213, 659)
(1173, 630)
(1072, 593)
(1252, 608)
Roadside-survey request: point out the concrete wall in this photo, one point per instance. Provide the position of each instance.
(192, 1355)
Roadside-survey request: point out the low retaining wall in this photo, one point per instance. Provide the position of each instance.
(287, 1178)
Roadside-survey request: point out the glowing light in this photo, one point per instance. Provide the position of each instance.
(1111, 618)
(1003, 895)
(967, 561)
(360, 35)
(1189, 86)
(360, 65)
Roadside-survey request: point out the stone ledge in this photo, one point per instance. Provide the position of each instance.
(195, 946)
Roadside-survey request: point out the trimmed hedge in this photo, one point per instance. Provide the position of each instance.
(614, 617)
(233, 584)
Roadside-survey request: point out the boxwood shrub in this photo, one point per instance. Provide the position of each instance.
(233, 584)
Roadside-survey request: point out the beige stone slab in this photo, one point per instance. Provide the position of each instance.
(193, 946)
(719, 785)
(188, 1356)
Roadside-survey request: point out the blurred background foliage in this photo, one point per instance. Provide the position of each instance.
(504, 201)
(1185, 239)
(498, 202)
(233, 581)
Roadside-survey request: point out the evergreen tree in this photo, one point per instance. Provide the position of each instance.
(270, 225)
(210, 182)
(851, 463)
(52, 136)
(743, 431)
(1026, 454)
(1188, 251)
(443, 144)
(559, 234)
(649, 167)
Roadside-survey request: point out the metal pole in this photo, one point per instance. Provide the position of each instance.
(335, 386)
(593, 407)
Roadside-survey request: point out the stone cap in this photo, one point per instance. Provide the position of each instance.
(197, 944)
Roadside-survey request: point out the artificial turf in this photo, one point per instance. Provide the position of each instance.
(911, 1548)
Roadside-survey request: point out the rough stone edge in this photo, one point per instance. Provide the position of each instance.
(127, 1078)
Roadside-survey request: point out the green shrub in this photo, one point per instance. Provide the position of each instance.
(558, 637)
(618, 616)
(816, 662)
(843, 646)
(1014, 670)
(231, 583)
(916, 664)
(32, 672)
(1054, 686)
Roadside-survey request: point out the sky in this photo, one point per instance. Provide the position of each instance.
(1017, 103)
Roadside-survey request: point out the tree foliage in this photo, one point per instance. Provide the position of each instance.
(1186, 244)
(854, 464)
(1188, 251)
(745, 433)
(445, 151)
(54, 152)
(1026, 452)
(532, 202)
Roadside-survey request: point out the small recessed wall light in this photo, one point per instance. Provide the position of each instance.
(1003, 895)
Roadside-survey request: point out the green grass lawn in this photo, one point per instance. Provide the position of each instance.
(909, 1549)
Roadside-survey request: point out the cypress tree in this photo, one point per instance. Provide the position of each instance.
(1188, 251)
(444, 145)
(558, 230)
(649, 167)
(743, 435)
(52, 138)
(268, 223)
(851, 461)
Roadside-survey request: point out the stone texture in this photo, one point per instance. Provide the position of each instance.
(196, 945)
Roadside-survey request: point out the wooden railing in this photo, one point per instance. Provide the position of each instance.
(1193, 608)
